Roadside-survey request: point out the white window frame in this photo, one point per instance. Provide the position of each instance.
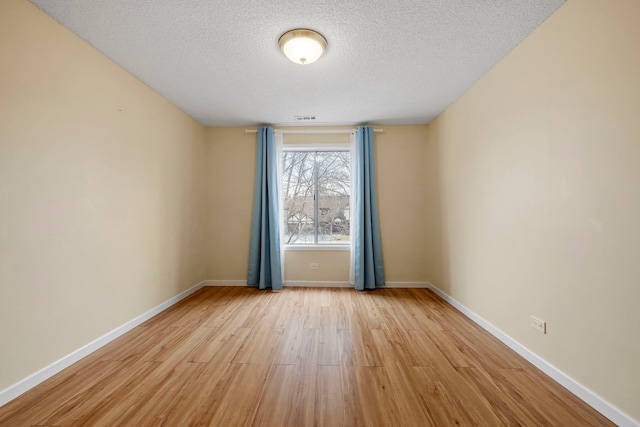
(350, 147)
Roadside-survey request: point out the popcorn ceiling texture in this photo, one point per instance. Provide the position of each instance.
(388, 62)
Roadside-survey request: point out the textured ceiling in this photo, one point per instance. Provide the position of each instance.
(388, 61)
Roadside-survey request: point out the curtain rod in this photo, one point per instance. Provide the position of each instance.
(317, 131)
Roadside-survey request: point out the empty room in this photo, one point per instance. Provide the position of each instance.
(319, 213)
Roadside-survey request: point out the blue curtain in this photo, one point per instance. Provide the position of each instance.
(367, 254)
(265, 268)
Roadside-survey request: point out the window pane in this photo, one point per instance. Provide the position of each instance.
(334, 191)
(297, 195)
(323, 218)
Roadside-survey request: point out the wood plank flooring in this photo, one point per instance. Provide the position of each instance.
(236, 356)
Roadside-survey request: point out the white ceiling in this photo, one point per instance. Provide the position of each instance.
(388, 61)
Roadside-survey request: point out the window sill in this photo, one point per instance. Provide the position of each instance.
(338, 248)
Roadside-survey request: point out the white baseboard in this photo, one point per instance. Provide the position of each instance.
(320, 284)
(225, 283)
(592, 399)
(47, 372)
(314, 284)
(407, 285)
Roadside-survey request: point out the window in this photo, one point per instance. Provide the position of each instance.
(316, 193)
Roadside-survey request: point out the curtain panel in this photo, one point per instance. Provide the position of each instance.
(367, 251)
(265, 267)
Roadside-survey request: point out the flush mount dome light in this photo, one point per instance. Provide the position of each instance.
(302, 46)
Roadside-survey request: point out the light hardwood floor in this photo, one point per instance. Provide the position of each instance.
(234, 356)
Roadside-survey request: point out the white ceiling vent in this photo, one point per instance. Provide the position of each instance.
(305, 118)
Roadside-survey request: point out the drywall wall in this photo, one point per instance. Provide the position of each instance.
(403, 164)
(230, 163)
(332, 266)
(538, 176)
(405, 169)
(101, 194)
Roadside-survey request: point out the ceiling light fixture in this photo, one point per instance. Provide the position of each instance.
(302, 46)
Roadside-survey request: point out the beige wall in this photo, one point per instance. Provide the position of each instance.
(539, 177)
(405, 170)
(333, 266)
(230, 165)
(101, 188)
(402, 163)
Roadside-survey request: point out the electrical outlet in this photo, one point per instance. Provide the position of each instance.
(538, 324)
(313, 266)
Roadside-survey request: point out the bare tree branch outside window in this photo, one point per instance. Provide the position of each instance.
(316, 188)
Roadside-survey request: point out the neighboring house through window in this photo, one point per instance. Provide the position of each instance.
(316, 196)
